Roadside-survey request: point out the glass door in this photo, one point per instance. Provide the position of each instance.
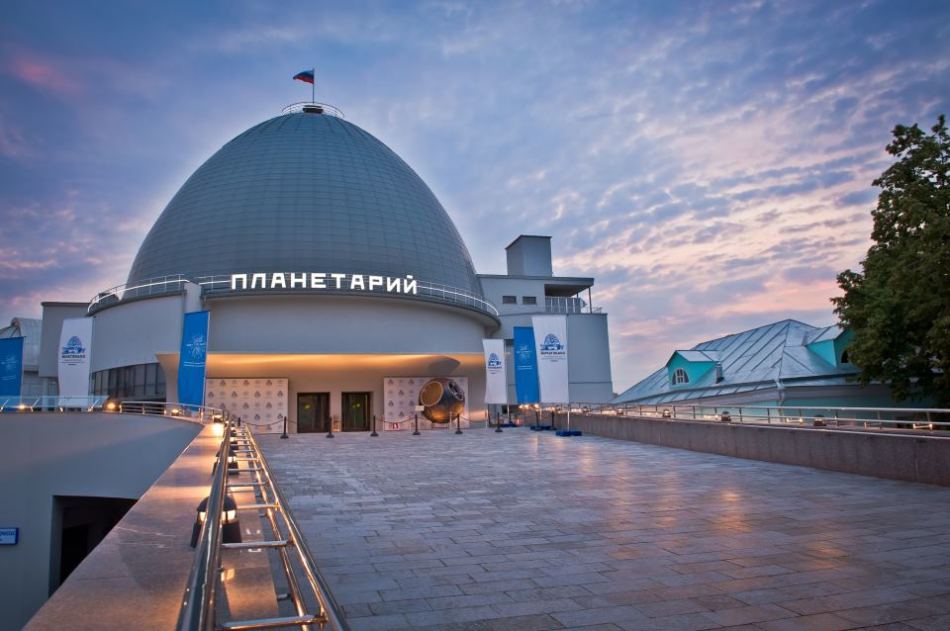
(356, 411)
(313, 412)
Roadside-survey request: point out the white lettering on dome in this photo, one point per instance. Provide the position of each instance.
(319, 280)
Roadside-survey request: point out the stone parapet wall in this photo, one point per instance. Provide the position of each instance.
(909, 457)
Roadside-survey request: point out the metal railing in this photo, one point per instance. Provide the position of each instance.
(53, 403)
(198, 413)
(158, 286)
(325, 108)
(199, 610)
(221, 284)
(103, 404)
(866, 418)
(560, 304)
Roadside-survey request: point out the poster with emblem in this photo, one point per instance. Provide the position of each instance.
(260, 402)
(441, 400)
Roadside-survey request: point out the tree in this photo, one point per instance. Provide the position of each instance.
(898, 305)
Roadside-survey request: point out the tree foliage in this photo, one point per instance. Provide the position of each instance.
(898, 305)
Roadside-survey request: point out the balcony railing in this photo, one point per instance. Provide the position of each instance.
(558, 304)
(222, 284)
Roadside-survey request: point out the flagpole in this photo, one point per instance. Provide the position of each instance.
(313, 87)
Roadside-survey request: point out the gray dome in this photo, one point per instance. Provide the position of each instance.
(306, 193)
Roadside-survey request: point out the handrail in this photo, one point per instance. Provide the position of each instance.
(198, 607)
(330, 610)
(198, 612)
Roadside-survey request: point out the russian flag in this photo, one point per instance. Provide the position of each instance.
(306, 76)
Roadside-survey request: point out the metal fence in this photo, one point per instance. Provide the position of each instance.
(880, 418)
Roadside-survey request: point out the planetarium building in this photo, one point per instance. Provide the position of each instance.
(334, 288)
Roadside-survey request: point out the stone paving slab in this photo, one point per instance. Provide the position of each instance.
(527, 531)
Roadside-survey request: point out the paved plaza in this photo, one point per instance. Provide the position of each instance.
(528, 531)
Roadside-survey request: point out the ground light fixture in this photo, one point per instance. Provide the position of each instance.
(111, 405)
(232, 463)
(230, 525)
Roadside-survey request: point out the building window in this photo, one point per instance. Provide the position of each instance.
(140, 381)
(680, 377)
(844, 358)
(529, 300)
(509, 300)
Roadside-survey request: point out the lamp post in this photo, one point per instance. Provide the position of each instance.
(284, 435)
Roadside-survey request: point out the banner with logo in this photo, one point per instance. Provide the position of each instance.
(193, 358)
(551, 339)
(526, 366)
(11, 366)
(75, 355)
(496, 383)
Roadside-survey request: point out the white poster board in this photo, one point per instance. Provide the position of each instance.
(496, 382)
(75, 360)
(550, 339)
(261, 402)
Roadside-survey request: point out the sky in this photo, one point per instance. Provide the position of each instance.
(709, 163)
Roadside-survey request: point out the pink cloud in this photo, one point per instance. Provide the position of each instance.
(43, 74)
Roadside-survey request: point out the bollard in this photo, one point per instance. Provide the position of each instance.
(374, 426)
(330, 432)
(497, 423)
(458, 423)
(416, 433)
(284, 435)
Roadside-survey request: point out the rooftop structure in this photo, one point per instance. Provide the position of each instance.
(777, 364)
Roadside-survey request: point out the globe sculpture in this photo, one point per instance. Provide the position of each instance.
(442, 400)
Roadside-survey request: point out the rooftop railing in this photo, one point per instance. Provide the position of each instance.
(222, 284)
(314, 107)
(159, 286)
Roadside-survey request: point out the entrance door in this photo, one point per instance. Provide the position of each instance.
(313, 412)
(356, 411)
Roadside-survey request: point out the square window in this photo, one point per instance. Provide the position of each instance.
(509, 300)
(529, 300)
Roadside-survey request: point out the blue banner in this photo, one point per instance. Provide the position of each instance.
(526, 366)
(192, 359)
(11, 366)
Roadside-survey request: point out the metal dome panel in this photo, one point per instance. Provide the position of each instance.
(306, 193)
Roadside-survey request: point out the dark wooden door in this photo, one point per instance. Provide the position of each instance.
(313, 412)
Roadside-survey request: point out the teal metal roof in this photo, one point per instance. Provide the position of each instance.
(751, 360)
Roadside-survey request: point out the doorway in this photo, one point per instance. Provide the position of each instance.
(313, 412)
(356, 411)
